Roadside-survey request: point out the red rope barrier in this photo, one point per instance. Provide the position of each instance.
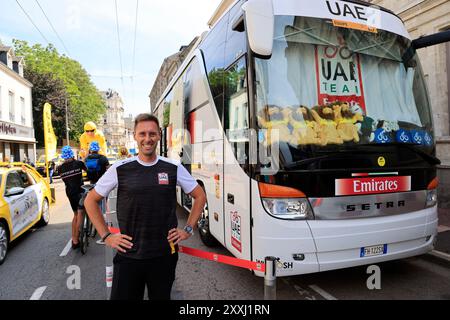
(257, 266)
(223, 259)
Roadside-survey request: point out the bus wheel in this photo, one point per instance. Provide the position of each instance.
(203, 228)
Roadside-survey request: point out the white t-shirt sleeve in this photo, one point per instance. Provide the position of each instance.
(185, 180)
(107, 182)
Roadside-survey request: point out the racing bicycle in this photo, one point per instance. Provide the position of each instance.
(87, 229)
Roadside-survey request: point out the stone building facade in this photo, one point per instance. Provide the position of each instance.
(17, 139)
(112, 122)
(130, 143)
(168, 69)
(426, 17)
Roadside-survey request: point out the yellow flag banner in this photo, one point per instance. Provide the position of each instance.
(49, 134)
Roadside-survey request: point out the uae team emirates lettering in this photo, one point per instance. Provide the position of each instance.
(356, 186)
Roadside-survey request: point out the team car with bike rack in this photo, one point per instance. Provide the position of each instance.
(25, 199)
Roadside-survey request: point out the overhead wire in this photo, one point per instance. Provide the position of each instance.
(120, 48)
(118, 77)
(53, 28)
(134, 51)
(135, 36)
(31, 20)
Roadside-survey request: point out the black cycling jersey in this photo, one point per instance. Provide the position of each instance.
(72, 175)
(146, 202)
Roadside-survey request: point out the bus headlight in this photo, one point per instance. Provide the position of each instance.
(431, 198)
(288, 208)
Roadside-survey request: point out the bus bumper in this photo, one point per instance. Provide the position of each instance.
(335, 244)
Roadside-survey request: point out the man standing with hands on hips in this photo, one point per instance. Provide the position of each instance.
(146, 212)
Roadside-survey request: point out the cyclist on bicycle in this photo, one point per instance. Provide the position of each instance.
(71, 174)
(96, 163)
(91, 134)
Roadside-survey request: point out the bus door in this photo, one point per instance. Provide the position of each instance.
(236, 161)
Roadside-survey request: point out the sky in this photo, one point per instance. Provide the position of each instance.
(87, 31)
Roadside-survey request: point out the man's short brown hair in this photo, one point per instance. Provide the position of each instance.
(145, 117)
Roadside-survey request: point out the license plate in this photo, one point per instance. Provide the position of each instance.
(373, 250)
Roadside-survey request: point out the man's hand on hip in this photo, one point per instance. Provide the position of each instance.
(177, 235)
(120, 242)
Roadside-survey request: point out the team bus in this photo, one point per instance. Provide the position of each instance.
(309, 127)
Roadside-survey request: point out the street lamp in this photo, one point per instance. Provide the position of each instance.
(67, 125)
(67, 118)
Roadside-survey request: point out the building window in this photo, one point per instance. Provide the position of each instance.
(9, 61)
(11, 107)
(2, 151)
(22, 107)
(447, 52)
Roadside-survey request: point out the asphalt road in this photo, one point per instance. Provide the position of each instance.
(39, 267)
(418, 278)
(34, 261)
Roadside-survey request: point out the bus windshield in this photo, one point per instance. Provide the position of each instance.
(327, 86)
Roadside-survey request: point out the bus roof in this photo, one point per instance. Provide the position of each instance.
(226, 5)
(220, 11)
(366, 3)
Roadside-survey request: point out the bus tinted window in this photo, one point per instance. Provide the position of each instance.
(326, 86)
(213, 48)
(236, 41)
(194, 92)
(236, 110)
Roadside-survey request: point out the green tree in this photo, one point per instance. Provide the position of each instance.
(47, 89)
(84, 100)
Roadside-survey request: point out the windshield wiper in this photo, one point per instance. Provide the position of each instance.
(410, 146)
(316, 159)
(305, 161)
(427, 157)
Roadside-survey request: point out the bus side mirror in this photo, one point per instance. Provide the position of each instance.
(431, 40)
(260, 24)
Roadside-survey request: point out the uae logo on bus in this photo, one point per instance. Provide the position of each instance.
(360, 186)
(339, 77)
(236, 230)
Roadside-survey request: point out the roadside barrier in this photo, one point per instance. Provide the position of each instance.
(109, 253)
(270, 279)
(268, 267)
(256, 266)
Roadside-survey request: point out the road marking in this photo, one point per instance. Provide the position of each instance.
(38, 293)
(322, 292)
(66, 248)
(306, 294)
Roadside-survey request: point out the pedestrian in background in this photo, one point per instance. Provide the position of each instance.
(51, 169)
(71, 172)
(28, 161)
(96, 163)
(123, 153)
(147, 244)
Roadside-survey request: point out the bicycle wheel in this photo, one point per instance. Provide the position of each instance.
(84, 234)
